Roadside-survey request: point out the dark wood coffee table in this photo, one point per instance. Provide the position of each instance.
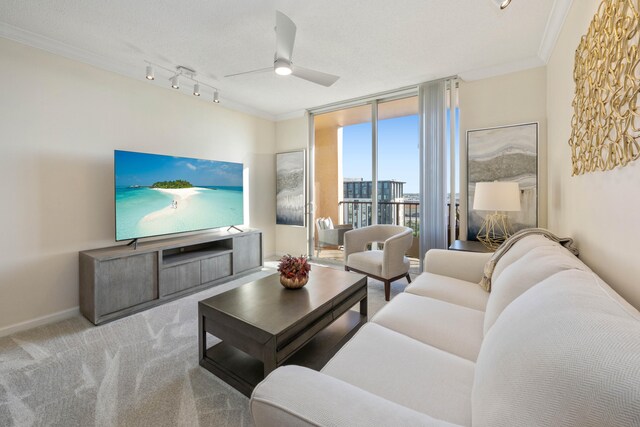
(262, 325)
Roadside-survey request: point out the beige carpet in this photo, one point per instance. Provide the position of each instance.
(138, 371)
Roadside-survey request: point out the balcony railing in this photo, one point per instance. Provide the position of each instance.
(359, 214)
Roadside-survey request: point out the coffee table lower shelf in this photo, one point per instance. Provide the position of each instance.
(244, 372)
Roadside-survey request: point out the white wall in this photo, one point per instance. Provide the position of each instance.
(600, 209)
(509, 99)
(292, 134)
(60, 121)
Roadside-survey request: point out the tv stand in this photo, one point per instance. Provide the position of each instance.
(134, 242)
(233, 226)
(116, 281)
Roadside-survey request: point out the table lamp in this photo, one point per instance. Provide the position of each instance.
(498, 197)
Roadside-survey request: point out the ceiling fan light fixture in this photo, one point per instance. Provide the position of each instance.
(282, 67)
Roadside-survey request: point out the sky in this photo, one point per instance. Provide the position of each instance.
(145, 169)
(398, 153)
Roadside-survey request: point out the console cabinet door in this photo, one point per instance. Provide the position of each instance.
(247, 252)
(125, 282)
(179, 278)
(216, 268)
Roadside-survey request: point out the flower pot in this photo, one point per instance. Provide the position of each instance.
(293, 283)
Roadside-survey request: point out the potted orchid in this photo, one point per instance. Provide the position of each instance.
(294, 271)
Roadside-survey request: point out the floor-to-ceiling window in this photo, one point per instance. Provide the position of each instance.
(366, 163)
(398, 166)
(336, 187)
(388, 159)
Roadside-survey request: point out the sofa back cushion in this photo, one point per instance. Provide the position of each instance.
(517, 251)
(565, 353)
(530, 269)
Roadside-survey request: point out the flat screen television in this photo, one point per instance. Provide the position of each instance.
(157, 194)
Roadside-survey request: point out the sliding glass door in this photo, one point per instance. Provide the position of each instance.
(386, 160)
(366, 158)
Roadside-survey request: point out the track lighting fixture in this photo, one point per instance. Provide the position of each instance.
(502, 4)
(175, 82)
(150, 75)
(182, 72)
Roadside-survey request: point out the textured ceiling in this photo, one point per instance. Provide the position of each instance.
(374, 45)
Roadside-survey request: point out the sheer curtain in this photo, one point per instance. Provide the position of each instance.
(436, 138)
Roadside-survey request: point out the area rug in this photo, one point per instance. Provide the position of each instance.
(138, 371)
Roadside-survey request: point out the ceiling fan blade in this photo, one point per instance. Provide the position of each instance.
(314, 76)
(285, 36)
(261, 70)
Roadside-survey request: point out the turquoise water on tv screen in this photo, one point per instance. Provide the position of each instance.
(206, 197)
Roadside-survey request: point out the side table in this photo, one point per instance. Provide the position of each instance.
(469, 246)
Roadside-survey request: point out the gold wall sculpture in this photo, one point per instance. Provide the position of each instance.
(605, 128)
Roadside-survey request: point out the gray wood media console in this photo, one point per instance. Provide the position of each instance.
(119, 280)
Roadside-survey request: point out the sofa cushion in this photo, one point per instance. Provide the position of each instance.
(321, 224)
(517, 251)
(449, 327)
(564, 353)
(296, 396)
(406, 371)
(532, 268)
(328, 223)
(448, 289)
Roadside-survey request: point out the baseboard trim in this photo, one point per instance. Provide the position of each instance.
(49, 318)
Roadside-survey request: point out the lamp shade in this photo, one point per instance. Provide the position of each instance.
(496, 196)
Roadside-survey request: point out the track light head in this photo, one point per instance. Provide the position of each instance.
(186, 73)
(502, 4)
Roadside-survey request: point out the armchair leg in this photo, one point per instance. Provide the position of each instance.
(346, 268)
(408, 278)
(387, 290)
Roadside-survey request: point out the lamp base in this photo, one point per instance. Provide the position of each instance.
(494, 230)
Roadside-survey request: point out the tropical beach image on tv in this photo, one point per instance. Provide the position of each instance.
(157, 194)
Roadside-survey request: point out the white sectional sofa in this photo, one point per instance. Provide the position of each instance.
(551, 345)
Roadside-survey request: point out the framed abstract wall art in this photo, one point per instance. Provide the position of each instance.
(290, 188)
(506, 153)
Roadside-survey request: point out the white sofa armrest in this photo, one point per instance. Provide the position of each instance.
(461, 265)
(297, 396)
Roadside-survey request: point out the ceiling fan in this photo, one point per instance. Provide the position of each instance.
(282, 64)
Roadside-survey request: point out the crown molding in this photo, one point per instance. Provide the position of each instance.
(499, 70)
(131, 71)
(50, 45)
(291, 115)
(558, 15)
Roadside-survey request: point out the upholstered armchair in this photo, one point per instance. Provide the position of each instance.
(330, 234)
(386, 265)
